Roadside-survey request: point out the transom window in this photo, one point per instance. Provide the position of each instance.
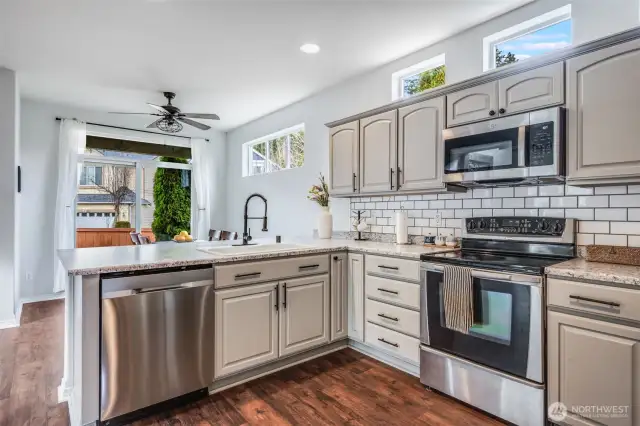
(279, 151)
(537, 36)
(418, 78)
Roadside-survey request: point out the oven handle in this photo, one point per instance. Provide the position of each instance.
(497, 276)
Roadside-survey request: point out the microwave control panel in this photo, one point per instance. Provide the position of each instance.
(516, 226)
(540, 144)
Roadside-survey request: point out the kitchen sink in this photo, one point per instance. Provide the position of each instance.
(258, 248)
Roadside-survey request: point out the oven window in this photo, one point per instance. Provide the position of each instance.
(495, 321)
(485, 151)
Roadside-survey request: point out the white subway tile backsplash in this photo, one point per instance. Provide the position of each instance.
(634, 241)
(551, 191)
(593, 227)
(624, 200)
(513, 203)
(593, 201)
(422, 222)
(376, 228)
(482, 212)
(429, 197)
(453, 204)
(453, 223)
(536, 202)
(633, 189)
(526, 212)
(414, 213)
(471, 204)
(610, 190)
(634, 214)
(526, 191)
(414, 197)
(578, 190)
(611, 240)
(414, 230)
(551, 212)
(503, 212)
(388, 229)
(611, 214)
(381, 205)
(393, 205)
(370, 206)
(407, 205)
(628, 228)
(421, 204)
(464, 195)
(446, 196)
(491, 203)
(429, 213)
(564, 202)
(382, 221)
(581, 214)
(401, 198)
(448, 214)
(463, 213)
(502, 192)
(436, 204)
(584, 239)
(482, 193)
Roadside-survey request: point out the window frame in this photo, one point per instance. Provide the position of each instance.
(247, 151)
(529, 26)
(83, 173)
(398, 77)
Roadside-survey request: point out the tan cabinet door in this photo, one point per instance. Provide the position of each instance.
(594, 363)
(343, 154)
(603, 98)
(378, 146)
(538, 88)
(420, 156)
(246, 328)
(472, 104)
(304, 313)
(339, 296)
(356, 296)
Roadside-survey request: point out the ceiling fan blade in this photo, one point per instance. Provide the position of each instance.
(203, 116)
(135, 113)
(153, 125)
(193, 123)
(159, 108)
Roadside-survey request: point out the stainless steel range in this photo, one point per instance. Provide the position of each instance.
(498, 365)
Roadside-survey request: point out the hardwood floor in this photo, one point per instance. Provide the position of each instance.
(343, 388)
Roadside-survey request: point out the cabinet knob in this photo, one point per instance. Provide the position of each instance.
(492, 112)
(502, 110)
(335, 257)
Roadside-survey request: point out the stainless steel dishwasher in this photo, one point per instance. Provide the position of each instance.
(157, 337)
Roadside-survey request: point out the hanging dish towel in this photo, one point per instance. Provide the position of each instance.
(457, 293)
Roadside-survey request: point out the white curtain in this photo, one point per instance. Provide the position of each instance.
(203, 179)
(71, 143)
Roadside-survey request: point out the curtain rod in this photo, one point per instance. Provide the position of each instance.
(133, 130)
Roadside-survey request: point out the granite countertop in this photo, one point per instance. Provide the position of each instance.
(608, 272)
(100, 260)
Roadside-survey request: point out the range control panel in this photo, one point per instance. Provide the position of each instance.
(516, 226)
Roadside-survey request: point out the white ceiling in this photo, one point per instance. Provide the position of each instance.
(239, 59)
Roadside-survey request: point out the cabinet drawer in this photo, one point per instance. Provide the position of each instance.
(612, 301)
(399, 319)
(397, 292)
(393, 267)
(270, 270)
(393, 342)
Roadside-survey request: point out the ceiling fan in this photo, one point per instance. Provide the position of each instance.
(172, 116)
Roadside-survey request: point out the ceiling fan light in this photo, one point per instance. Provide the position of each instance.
(169, 125)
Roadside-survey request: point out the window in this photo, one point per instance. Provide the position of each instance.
(418, 78)
(278, 151)
(91, 175)
(537, 36)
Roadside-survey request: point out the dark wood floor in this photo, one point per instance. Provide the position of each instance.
(343, 388)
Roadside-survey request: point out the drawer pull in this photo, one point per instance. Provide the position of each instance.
(388, 291)
(393, 268)
(589, 300)
(305, 267)
(386, 317)
(387, 342)
(247, 276)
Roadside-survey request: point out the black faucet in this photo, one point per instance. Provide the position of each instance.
(246, 234)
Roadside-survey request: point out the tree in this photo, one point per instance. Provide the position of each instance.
(504, 58)
(424, 81)
(115, 182)
(172, 200)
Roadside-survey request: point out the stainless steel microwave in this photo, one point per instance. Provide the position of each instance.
(519, 149)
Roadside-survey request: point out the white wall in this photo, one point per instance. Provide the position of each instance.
(290, 212)
(9, 245)
(39, 149)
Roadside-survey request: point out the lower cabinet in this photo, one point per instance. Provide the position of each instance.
(304, 314)
(594, 363)
(355, 281)
(339, 296)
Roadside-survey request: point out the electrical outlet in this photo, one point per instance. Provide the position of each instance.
(438, 219)
(29, 276)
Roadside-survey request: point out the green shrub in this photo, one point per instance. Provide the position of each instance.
(123, 224)
(172, 200)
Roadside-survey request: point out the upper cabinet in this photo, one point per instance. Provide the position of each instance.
(343, 154)
(603, 91)
(473, 104)
(538, 88)
(420, 156)
(378, 146)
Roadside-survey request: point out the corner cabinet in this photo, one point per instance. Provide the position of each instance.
(344, 158)
(420, 149)
(603, 90)
(356, 296)
(339, 296)
(378, 152)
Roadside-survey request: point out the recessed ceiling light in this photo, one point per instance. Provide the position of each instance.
(310, 48)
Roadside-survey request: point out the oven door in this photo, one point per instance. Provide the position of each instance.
(508, 331)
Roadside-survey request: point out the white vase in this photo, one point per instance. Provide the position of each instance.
(325, 223)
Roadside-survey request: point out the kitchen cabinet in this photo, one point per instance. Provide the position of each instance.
(594, 363)
(472, 104)
(339, 296)
(603, 89)
(356, 296)
(534, 89)
(304, 313)
(420, 149)
(246, 327)
(378, 146)
(344, 158)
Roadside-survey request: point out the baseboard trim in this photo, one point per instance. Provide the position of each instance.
(64, 391)
(390, 360)
(9, 323)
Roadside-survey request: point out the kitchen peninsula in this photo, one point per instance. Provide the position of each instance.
(222, 315)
